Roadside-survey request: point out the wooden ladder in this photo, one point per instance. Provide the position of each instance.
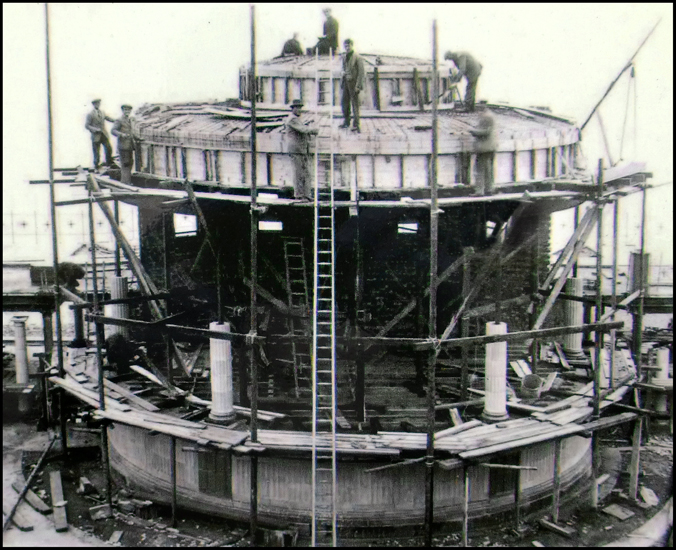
(324, 473)
(298, 300)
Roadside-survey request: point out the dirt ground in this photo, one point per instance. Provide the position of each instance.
(22, 446)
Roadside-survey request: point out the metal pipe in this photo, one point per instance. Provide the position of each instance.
(55, 249)
(254, 282)
(434, 260)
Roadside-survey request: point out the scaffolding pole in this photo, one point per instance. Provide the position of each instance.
(638, 319)
(55, 249)
(99, 354)
(254, 282)
(434, 261)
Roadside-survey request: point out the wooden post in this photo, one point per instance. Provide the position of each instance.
(434, 262)
(253, 514)
(598, 336)
(465, 507)
(48, 334)
(55, 248)
(172, 467)
(118, 261)
(360, 402)
(466, 279)
(616, 206)
(376, 88)
(634, 466)
(517, 499)
(576, 222)
(557, 480)
(638, 319)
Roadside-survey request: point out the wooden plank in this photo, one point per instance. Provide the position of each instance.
(634, 466)
(58, 502)
(562, 356)
(549, 381)
(564, 530)
(146, 405)
(34, 500)
(19, 519)
(115, 537)
(457, 429)
(517, 369)
(455, 417)
(618, 512)
(524, 366)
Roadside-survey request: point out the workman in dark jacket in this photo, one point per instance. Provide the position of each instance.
(330, 38)
(470, 68)
(96, 124)
(299, 146)
(353, 82)
(125, 143)
(484, 145)
(292, 46)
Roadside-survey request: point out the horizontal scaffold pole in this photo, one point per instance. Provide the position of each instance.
(176, 329)
(423, 343)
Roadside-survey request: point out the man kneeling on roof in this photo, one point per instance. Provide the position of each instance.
(298, 135)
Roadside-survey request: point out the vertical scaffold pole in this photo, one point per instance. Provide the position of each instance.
(99, 352)
(638, 319)
(434, 232)
(254, 283)
(598, 336)
(55, 249)
(616, 208)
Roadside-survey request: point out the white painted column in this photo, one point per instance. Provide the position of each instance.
(495, 400)
(118, 290)
(662, 379)
(20, 349)
(221, 376)
(574, 312)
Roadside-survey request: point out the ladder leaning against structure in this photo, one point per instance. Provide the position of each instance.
(324, 473)
(298, 300)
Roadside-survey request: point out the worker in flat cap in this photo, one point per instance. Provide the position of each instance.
(298, 133)
(353, 81)
(126, 142)
(96, 124)
(470, 69)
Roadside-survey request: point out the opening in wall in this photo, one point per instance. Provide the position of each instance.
(185, 225)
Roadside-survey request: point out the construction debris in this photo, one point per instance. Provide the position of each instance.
(563, 530)
(618, 512)
(58, 502)
(102, 511)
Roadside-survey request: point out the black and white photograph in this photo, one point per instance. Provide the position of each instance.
(337, 275)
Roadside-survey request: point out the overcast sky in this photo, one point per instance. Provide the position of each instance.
(562, 56)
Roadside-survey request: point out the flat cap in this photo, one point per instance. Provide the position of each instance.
(127, 106)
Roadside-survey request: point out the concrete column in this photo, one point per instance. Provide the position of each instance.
(222, 410)
(662, 379)
(79, 340)
(495, 401)
(118, 290)
(48, 332)
(635, 271)
(574, 312)
(20, 349)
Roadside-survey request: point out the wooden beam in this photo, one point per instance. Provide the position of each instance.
(146, 405)
(634, 466)
(58, 501)
(556, 501)
(558, 286)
